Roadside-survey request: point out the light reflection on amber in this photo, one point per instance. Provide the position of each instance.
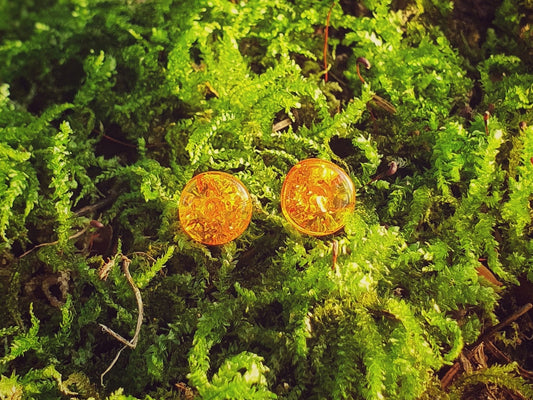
(316, 197)
(214, 208)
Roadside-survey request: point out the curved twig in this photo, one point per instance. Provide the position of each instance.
(484, 338)
(326, 34)
(133, 342)
(76, 235)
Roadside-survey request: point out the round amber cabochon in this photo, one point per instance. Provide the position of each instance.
(215, 208)
(316, 197)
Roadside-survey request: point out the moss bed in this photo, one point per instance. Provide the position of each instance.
(108, 108)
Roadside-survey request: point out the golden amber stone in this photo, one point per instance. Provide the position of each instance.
(214, 208)
(316, 197)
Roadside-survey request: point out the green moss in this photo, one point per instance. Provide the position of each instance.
(108, 108)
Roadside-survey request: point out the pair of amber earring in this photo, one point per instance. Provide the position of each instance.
(215, 207)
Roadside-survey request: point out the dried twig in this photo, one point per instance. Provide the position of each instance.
(117, 336)
(112, 139)
(376, 100)
(111, 365)
(487, 335)
(384, 104)
(367, 65)
(450, 374)
(326, 34)
(486, 117)
(505, 358)
(278, 126)
(144, 254)
(187, 392)
(104, 270)
(483, 339)
(334, 253)
(76, 235)
(133, 342)
(82, 211)
(96, 206)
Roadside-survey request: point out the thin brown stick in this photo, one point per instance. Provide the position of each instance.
(484, 338)
(111, 365)
(133, 146)
(450, 374)
(76, 235)
(326, 34)
(125, 265)
(505, 358)
(359, 73)
(384, 104)
(142, 253)
(133, 342)
(82, 211)
(334, 253)
(487, 335)
(112, 139)
(93, 207)
(117, 336)
(486, 117)
(278, 126)
(366, 63)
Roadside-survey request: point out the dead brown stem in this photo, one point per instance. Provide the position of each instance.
(76, 235)
(484, 339)
(487, 335)
(96, 206)
(133, 342)
(326, 34)
(505, 358)
(450, 374)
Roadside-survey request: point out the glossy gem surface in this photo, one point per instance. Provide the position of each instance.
(215, 208)
(316, 197)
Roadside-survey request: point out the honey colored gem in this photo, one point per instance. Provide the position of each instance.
(214, 208)
(316, 197)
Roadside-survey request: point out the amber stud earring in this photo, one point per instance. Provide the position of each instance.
(215, 208)
(316, 197)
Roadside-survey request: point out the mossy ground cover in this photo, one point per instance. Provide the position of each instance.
(108, 108)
